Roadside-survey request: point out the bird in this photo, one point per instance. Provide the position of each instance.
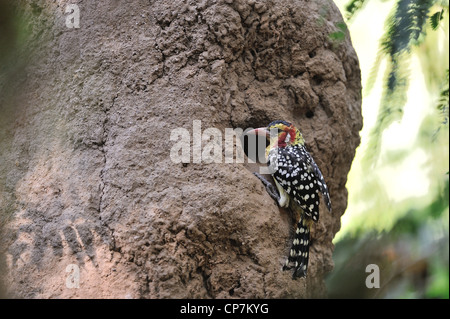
(298, 180)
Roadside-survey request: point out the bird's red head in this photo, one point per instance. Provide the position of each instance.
(280, 134)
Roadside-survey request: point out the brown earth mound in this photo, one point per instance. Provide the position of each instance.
(86, 177)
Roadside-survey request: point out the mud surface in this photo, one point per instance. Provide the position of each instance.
(86, 177)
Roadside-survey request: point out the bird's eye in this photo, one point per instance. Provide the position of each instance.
(288, 138)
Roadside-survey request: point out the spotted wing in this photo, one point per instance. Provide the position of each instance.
(322, 185)
(295, 170)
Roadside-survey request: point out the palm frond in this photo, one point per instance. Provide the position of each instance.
(353, 7)
(372, 78)
(443, 100)
(391, 106)
(436, 18)
(406, 25)
(404, 28)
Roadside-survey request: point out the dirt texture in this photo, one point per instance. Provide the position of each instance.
(86, 177)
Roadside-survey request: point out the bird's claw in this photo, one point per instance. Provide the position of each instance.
(269, 187)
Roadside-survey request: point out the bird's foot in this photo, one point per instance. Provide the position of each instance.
(269, 187)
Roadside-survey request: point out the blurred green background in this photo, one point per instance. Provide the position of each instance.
(398, 216)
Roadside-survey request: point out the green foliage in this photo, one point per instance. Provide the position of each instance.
(398, 215)
(352, 7)
(392, 102)
(412, 256)
(438, 286)
(405, 28)
(340, 34)
(436, 18)
(443, 100)
(442, 107)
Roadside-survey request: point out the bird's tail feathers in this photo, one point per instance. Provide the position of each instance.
(299, 253)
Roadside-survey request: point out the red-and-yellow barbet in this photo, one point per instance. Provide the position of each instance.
(299, 181)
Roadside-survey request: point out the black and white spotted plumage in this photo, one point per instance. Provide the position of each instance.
(300, 177)
(299, 180)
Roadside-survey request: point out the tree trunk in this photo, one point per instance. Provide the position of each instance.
(89, 193)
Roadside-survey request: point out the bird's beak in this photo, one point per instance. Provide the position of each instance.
(262, 131)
